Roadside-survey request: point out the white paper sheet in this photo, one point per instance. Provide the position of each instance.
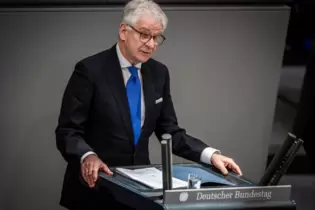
(151, 177)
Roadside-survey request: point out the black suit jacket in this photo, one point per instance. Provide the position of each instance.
(95, 117)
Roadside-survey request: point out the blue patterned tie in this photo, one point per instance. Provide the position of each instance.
(134, 98)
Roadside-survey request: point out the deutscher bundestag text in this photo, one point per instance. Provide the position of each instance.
(234, 195)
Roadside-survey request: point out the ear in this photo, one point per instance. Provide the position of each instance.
(122, 31)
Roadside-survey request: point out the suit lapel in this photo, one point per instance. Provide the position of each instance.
(149, 94)
(116, 83)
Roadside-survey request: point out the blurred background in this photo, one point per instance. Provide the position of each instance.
(295, 105)
(297, 60)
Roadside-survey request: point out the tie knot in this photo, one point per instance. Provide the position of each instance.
(133, 70)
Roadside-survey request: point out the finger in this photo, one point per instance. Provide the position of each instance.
(222, 168)
(90, 175)
(233, 166)
(95, 172)
(106, 169)
(86, 171)
(83, 173)
(236, 168)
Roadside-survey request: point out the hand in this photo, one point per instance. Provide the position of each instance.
(224, 163)
(90, 167)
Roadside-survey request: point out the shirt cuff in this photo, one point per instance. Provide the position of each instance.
(207, 154)
(86, 154)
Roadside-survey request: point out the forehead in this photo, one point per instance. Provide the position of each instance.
(149, 24)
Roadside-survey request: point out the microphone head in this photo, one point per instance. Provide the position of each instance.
(166, 136)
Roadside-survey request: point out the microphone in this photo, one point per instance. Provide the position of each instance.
(288, 159)
(282, 160)
(167, 162)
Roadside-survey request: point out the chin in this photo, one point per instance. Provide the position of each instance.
(143, 59)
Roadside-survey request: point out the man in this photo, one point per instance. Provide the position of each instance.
(112, 104)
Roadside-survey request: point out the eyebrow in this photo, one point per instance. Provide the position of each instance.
(144, 29)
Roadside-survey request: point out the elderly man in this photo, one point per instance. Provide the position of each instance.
(112, 104)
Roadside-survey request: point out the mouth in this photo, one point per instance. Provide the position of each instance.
(145, 53)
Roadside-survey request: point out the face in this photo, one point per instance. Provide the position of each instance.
(132, 46)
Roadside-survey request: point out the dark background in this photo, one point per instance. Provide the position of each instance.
(300, 34)
(300, 31)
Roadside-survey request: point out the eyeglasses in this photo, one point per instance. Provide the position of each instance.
(145, 37)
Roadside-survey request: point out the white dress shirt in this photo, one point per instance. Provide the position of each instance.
(124, 63)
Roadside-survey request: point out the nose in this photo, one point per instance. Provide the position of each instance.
(151, 43)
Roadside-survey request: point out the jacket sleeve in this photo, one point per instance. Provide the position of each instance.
(73, 115)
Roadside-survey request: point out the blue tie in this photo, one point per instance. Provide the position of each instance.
(134, 98)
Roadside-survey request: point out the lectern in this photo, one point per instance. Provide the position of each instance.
(241, 193)
(151, 186)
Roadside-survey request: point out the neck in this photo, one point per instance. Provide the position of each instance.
(123, 50)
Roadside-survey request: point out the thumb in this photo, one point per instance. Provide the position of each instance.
(106, 169)
(222, 168)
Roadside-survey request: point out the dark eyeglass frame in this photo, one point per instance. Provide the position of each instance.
(144, 37)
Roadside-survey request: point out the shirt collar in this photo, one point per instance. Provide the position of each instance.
(124, 63)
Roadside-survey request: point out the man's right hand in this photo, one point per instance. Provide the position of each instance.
(90, 167)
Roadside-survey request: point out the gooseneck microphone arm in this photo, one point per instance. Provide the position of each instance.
(167, 163)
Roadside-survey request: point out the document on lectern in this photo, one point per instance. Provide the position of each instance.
(152, 177)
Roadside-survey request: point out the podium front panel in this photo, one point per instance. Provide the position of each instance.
(139, 196)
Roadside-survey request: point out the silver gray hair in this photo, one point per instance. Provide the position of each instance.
(135, 9)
